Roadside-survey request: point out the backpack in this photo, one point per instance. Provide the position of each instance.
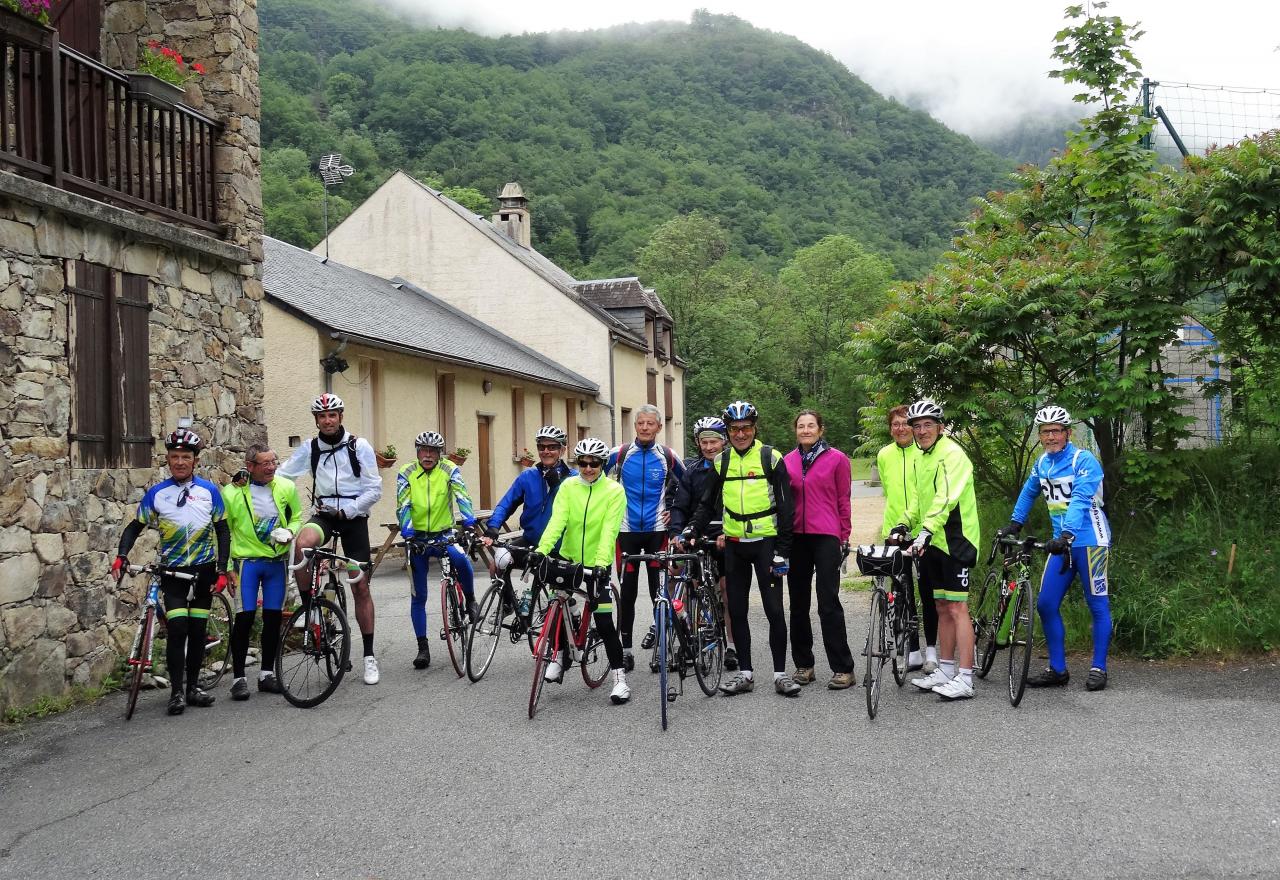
(766, 465)
(350, 443)
(626, 447)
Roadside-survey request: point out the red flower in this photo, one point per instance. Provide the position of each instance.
(153, 44)
(198, 68)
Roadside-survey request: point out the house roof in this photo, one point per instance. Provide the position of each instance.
(537, 263)
(398, 315)
(622, 293)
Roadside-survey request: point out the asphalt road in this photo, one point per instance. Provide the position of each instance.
(1170, 773)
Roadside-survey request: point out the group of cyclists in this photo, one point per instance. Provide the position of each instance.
(760, 513)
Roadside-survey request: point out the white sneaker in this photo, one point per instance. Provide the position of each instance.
(371, 670)
(955, 689)
(621, 690)
(931, 681)
(555, 672)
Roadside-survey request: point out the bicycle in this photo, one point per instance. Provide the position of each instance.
(217, 632)
(1008, 616)
(495, 606)
(315, 640)
(455, 627)
(561, 635)
(891, 614)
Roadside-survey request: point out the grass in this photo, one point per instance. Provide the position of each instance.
(48, 705)
(861, 468)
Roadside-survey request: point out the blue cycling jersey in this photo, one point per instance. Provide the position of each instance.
(644, 475)
(1071, 481)
(530, 492)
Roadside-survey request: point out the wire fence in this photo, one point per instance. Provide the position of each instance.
(1192, 118)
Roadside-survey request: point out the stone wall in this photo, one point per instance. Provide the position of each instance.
(62, 620)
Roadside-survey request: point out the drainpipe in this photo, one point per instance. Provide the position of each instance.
(613, 395)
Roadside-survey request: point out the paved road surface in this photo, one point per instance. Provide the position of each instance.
(1170, 773)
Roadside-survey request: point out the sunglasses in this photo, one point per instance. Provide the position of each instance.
(593, 463)
(741, 429)
(548, 447)
(182, 499)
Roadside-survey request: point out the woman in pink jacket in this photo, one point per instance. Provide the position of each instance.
(820, 484)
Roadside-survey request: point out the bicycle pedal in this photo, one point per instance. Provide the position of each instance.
(671, 695)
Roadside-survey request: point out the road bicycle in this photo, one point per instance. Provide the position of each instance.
(152, 625)
(680, 644)
(565, 634)
(496, 606)
(1005, 611)
(315, 640)
(455, 626)
(892, 618)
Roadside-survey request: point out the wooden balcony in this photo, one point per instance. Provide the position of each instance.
(70, 122)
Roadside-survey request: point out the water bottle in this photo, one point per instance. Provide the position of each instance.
(526, 599)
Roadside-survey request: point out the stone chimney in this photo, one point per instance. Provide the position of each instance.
(512, 219)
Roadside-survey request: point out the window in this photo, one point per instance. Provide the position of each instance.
(548, 416)
(653, 387)
(624, 421)
(668, 409)
(110, 367)
(518, 441)
(444, 409)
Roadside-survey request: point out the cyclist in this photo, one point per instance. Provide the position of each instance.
(944, 513)
(749, 489)
(194, 539)
(821, 481)
(345, 487)
(711, 436)
(896, 465)
(585, 519)
(645, 468)
(426, 490)
(1071, 480)
(534, 490)
(264, 514)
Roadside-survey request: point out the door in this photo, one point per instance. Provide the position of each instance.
(485, 451)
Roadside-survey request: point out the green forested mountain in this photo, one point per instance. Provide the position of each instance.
(611, 133)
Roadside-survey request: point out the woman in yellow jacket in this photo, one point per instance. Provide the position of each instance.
(585, 519)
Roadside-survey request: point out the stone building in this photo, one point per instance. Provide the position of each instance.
(130, 303)
(613, 332)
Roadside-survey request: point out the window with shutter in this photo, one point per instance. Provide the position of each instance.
(110, 367)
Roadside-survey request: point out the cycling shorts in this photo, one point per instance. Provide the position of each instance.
(948, 579)
(353, 533)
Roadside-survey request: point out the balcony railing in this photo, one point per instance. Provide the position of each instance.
(67, 120)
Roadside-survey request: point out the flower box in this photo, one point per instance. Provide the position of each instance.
(155, 90)
(25, 29)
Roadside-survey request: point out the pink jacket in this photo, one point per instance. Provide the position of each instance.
(821, 496)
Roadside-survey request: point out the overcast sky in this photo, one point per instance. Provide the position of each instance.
(978, 67)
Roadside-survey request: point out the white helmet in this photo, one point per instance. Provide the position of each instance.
(551, 432)
(502, 558)
(1053, 415)
(327, 402)
(429, 438)
(924, 409)
(592, 447)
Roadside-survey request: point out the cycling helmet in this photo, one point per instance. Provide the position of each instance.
(429, 438)
(327, 403)
(1053, 415)
(924, 409)
(501, 558)
(592, 447)
(739, 410)
(184, 439)
(551, 432)
(709, 425)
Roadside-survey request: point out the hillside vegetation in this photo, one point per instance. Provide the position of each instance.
(612, 133)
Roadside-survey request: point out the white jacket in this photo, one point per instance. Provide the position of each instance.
(335, 484)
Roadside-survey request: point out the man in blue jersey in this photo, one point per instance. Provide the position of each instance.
(194, 539)
(1071, 480)
(533, 491)
(645, 469)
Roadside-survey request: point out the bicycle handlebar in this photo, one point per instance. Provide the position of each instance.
(308, 554)
(659, 557)
(155, 568)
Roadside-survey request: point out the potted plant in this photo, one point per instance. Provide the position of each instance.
(162, 75)
(28, 20)
(526, 458)
(386, 457)
(459, 456)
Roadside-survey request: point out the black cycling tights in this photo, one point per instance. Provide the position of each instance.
(270, 640)
(636, 542)
(740, 561)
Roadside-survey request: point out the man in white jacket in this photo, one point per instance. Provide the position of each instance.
(346, 486)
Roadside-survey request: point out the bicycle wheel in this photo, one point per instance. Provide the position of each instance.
(898, 614)
(595, 660)
(537, 616)
(137, 661)
(452, 627)
(315, 646)
(660, 625)
(485, 632)
(544, 652)
(985, 614)
(708, 643)
(877, 650)
(1021, 639)
(217, 642)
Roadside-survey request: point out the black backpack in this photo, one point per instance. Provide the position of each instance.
(766, 464)
(350, 443)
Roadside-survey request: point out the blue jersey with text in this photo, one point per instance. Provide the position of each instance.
(1071, 482)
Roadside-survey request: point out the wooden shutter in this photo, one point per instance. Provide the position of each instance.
(79, 24)
(91, 364)
(133, 356)
(668, 403)
(653, 387)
